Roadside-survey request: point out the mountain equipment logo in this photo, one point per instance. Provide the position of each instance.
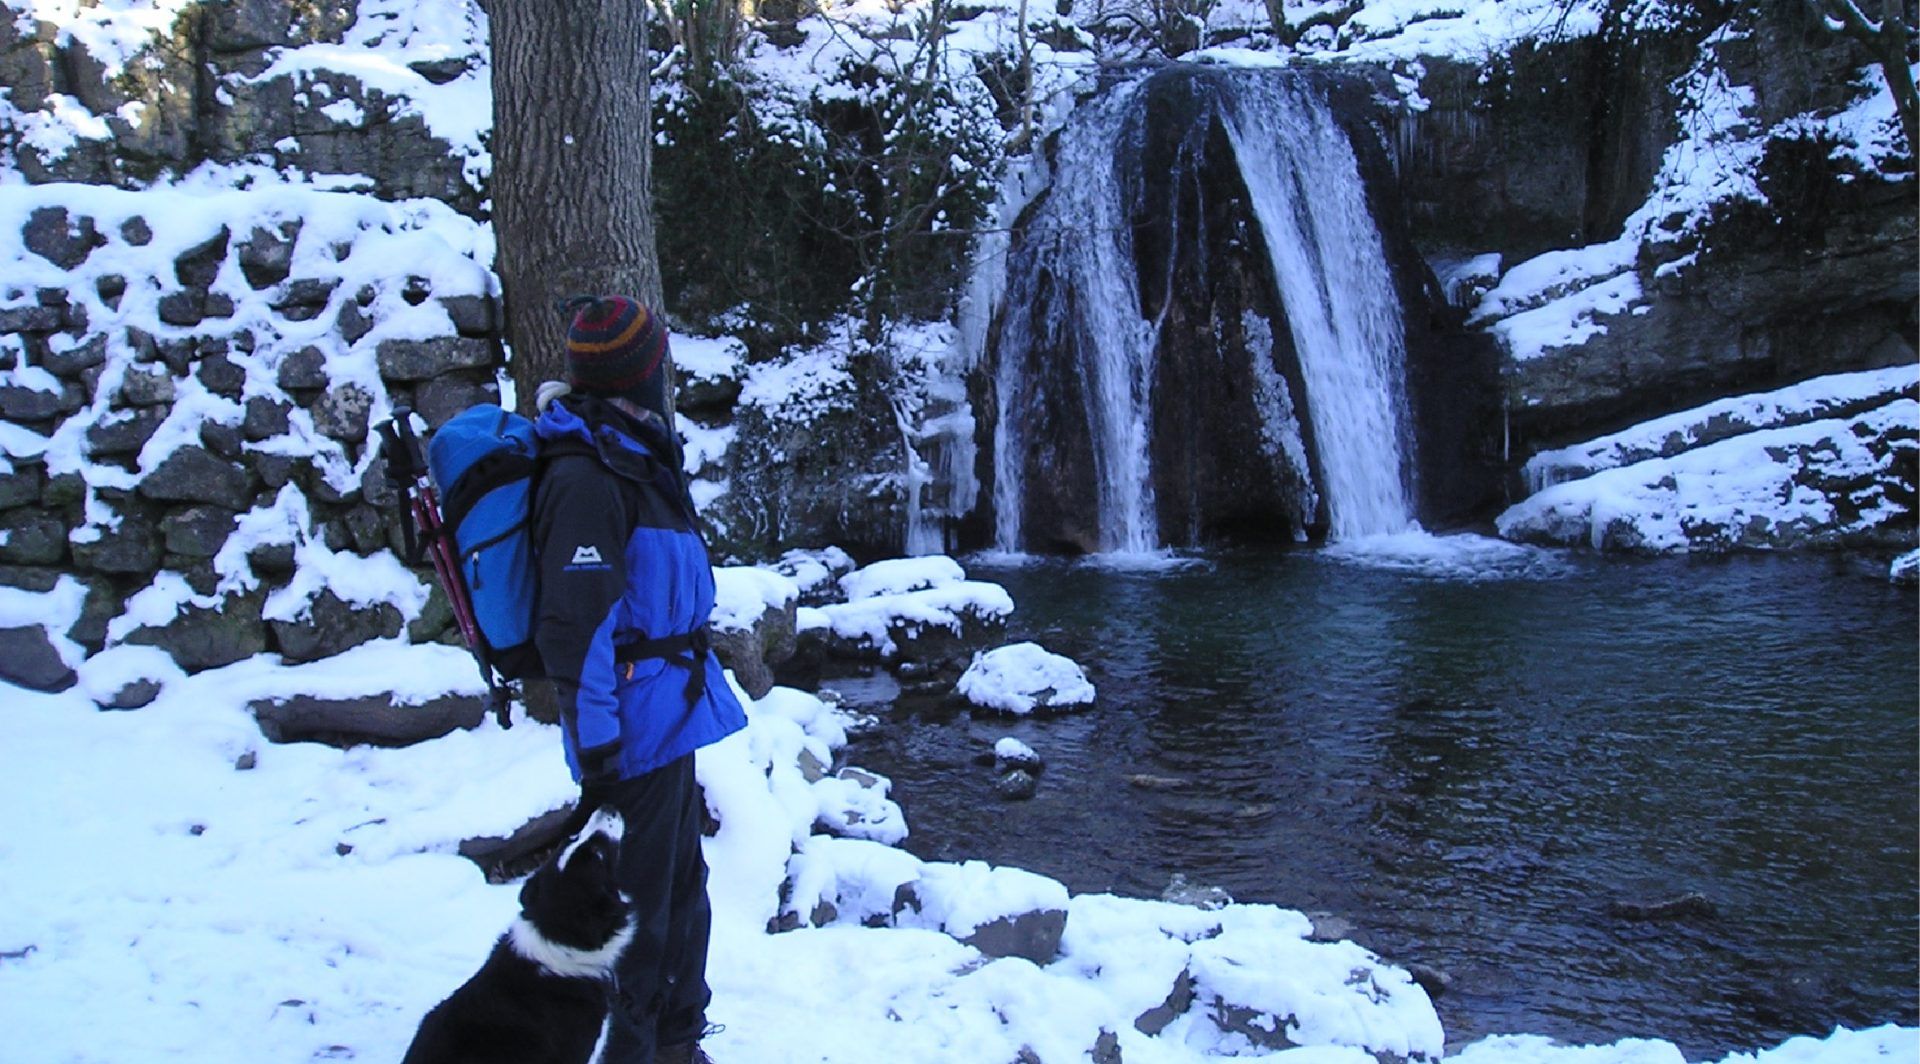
(586, 556)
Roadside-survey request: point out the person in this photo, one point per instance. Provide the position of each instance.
(625, 591)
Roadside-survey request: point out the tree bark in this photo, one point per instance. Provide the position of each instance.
(572, 160)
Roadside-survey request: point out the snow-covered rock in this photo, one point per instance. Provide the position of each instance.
(1822, 398)
(1835, 481)
(753, 623)
(910, 612)
(1010, 753)
(1025, 678)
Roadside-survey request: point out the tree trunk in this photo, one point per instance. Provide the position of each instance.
(572, 154)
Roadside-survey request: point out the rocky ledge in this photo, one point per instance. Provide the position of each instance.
(1827, 463)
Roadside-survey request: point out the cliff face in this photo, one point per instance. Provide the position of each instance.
(1707, 191)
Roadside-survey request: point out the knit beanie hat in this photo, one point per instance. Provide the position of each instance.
(618, 348)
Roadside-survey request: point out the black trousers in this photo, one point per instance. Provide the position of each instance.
(660, 990)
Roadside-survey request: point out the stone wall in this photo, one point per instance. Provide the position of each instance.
(187, 387)
(248, 83)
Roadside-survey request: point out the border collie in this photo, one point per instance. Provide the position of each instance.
(541, 996)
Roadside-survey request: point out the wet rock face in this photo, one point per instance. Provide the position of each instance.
(1221, 315)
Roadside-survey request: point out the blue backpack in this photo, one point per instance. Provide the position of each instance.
(484, 460)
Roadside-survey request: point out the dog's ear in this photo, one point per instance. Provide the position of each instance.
(530, 890)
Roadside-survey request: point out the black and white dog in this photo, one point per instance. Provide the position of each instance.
(541, 996)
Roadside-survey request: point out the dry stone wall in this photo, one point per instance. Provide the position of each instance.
(187, 387)
(250, 83)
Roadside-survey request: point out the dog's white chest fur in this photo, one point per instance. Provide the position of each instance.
(566, 961)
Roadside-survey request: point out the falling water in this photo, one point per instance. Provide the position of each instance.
(1338, 294)
(1076, 261)
(1080, 246)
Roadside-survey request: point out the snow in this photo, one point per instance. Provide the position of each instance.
(1008, 748)
(1023, 677)
(241, 900)
(1878, 1045)
(815, 572)
(1905, 569)
(708, 358)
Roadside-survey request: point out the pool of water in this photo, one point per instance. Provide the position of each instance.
(1476, 761)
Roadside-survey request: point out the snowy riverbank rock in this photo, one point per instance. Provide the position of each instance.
(1829, 463)
(913, 614)
(753, 623)
(1025, 678)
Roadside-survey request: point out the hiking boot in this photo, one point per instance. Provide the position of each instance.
(684, 1053)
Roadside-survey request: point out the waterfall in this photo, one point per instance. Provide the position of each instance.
(1076, 260)
(1338, 293)
(1077, 352)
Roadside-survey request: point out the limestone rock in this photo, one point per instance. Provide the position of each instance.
(472, 315)
(193, 474)
(22, 404)
(30, 318)
(266, 418)
(1016, 785)
(54, 235)
(71, 360)
(330, 626)
(439, 399)
(342, 414)
(124, 431)
(303, 369)
(197, 531)
(415, 360)
(130, 548)
(21, 487)
(266, 256)
(145, 386)
(505, 858)
(30, 537)
(371, 719)
(948, 897)
(135, 694)
(751, 653)
(28, 658)
(208, 637)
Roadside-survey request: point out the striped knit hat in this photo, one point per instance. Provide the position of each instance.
(618, 348)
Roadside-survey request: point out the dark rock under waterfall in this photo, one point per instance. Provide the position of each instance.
(1201, 264)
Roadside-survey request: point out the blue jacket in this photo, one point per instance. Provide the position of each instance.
(622, 562)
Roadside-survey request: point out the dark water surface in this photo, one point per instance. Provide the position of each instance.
(1472, 771)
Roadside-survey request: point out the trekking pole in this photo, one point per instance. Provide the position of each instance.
(407, 473)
